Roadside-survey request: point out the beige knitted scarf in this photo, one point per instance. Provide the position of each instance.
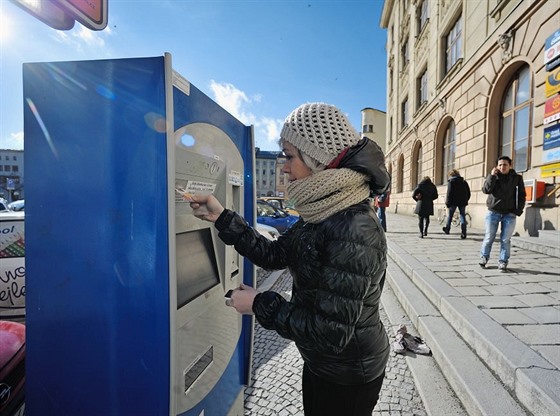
(327, 192)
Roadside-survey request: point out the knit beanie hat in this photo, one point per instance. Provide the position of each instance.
(319, 131)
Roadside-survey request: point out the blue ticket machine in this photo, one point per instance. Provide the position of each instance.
(125, 287)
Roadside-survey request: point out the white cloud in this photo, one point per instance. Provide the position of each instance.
(14, 142)
(81, 37)
(237, 103)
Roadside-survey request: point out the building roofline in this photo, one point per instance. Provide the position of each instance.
(386, 13)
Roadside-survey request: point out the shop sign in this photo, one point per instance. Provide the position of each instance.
(551, 144)
(552, 109)
(552, 47)
(552, 84)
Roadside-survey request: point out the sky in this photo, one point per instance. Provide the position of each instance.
(258, 59)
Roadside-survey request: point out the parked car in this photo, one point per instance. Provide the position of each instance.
(3, 205)
(12, 367)
(270, 215)
(269, 232)
(18, 205)
(280, 202)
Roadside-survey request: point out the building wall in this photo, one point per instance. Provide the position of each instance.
(266, 172)
(11, 172)
(374, 126)
(498, 38)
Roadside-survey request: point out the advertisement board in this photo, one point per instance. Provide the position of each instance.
(551, 144)
(552, 84)
(552, 109)
(552, 47)
(12, 266)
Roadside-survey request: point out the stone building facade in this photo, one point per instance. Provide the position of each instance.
(374, 125)
(466, 84)
(12, 184)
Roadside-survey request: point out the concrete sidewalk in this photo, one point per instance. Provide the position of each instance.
(495, 336)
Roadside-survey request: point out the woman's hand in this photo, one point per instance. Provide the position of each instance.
(206, 207)
(242, 299)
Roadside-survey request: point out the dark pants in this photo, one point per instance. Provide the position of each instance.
(423, 224)
(323, 398)
(382, 217)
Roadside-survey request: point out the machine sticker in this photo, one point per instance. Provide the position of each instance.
(12, 269)
(235, 178)
(184, 190)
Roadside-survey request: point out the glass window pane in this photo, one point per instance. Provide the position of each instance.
(522, 123)
(506, 130)
(506, 150)
(523, 86)
(521, 155)
(508, 99)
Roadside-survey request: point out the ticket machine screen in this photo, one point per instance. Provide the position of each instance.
(197, 270)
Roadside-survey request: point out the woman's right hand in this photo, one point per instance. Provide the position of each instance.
(206, 207)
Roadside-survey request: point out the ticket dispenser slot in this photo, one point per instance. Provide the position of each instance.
(206, 161)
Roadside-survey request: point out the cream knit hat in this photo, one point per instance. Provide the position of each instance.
(320, 131)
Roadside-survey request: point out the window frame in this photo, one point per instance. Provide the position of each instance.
(449, 142)
(513, 112)
(452, 55)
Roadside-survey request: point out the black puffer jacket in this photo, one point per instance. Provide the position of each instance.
(338, 269)
(506, 193)
(458, 192)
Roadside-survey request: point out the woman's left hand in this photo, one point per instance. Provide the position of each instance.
(242, 299)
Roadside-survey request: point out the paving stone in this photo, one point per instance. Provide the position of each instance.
(537, 300)
(537, 334)
(543, 315)
(501, 280)
(503, 290)
(550, 353)
(496, 301)
(531, 288)
(509, 316)
(467, 282)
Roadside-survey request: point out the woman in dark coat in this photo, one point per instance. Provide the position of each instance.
(424, 195)
(336, 254)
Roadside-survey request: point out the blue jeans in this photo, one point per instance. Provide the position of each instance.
(450, 213)
(382, 217)
(507, 222)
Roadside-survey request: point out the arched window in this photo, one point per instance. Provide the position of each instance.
(400, 173)
(448, 151)
(416, 173)
(515, 122)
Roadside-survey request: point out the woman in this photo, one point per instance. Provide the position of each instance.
(336, 254)
(424, 195)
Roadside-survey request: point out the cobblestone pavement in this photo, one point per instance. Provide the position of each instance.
(275, 387)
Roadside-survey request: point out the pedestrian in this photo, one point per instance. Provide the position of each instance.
(424, 195)
(381, 203)
(505, 202)
(458, 195)
(336, 254)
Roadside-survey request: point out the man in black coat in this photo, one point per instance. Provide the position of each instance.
(458, 195)
(506, 200)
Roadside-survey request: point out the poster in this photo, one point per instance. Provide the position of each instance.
(12, 269)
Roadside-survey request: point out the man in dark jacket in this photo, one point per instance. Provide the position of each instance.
(458, 195)
(506, 200)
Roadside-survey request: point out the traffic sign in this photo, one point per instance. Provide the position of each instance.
(47, 12)
(90, 13)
